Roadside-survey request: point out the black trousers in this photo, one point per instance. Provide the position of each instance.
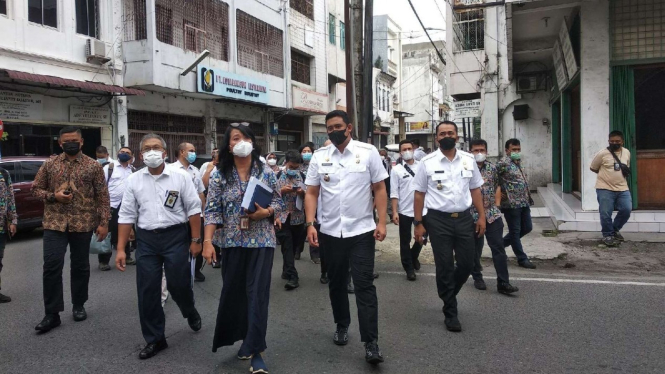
(358, 252)
(450, 234)
(494, 235)
(55, 248)
(3, 239)
(104, 258)
(408, 253)
(243, 304)
(168, 249)
(288, 236)
(321, 251)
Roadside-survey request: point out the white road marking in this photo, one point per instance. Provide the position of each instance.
(557, 280)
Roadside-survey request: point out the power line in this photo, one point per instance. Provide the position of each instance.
(426, 33)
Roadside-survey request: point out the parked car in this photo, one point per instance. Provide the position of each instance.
(22, 170)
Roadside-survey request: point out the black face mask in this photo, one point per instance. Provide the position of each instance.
(615, 147)
(71, 148)
(447, 143)
(337, 137)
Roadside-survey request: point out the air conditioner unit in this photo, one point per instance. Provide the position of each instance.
(532, 82)
(95, 52)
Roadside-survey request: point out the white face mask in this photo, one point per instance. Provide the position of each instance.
(243, 149)
(383, 158)
(272, 162)
(480, 157)
(153, 159)
(407, 155)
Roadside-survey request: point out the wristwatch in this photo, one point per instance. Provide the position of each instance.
(416, 223)
(197, 240)
(308, 224)
(50, 198)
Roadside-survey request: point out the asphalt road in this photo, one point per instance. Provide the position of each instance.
(551, 326)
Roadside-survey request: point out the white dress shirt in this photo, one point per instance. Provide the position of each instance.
(457, 177)
(194, 172)
(145, 196)
(401, 187)
(419, 154)
(117, 181)
(346, 207)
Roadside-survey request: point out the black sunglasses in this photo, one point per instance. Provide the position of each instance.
(236, 124)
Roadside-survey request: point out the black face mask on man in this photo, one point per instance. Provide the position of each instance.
(71, 148)
(337, 137)
(615, 147)
(447, 143)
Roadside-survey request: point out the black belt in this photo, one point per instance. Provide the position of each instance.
(165, 229)
(451, 215)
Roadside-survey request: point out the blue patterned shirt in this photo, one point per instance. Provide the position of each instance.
(488, 189)
(514, 186)
(297, 216)
(223, 207)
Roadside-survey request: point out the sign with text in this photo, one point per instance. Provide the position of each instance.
(89, 114)
(309, 101)
(567, 49)
(20, 105)
(559, 66)
(233, 86)
(467, 108)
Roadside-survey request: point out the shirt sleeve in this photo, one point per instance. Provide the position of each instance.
(213, 214)
(277, 203)
(40, 183)
(198, 182)
(597, 161)
(313, 178)
(12, 217)
(420, 180)
(190, 197)
(128, 213)
(106, 172)
(476, 178)
(394, 184)
(377, 171)
(102, 196)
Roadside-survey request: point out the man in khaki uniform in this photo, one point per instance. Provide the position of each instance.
(612, 166)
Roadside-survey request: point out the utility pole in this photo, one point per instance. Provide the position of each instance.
(368, 69)
(349, 62)
(354, 64)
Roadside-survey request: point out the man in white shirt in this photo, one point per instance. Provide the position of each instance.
(419, 152)
(115, 174)
(186, 157)
(160, 201)
(447, 184)
(345, 174)
(401, 197)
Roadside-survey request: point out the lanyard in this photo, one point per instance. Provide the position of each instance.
(406, 166)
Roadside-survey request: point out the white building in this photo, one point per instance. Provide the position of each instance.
(383, 103)
(60, 65)
(560, 75)
(387, 56)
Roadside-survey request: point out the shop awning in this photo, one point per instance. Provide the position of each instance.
(87, 86)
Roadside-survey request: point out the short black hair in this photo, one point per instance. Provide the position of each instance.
(616, 133)
(309, 145)
(405, 141)
(101, 149)
(475, 142)
(127, 148)
(69, 130)
(445, 123)
(338, 113)
(293, 156)
(512, 141)
(415, 141)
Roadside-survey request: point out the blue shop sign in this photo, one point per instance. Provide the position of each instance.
(222, 83)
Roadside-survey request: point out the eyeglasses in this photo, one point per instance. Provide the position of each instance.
(153, 148)
(236, 124)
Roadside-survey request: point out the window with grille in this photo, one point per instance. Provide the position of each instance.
(300, 67)
(194, 25)
(87, 18)
(342, 35)
(331, 28)
(133, 20)
(43, 12)
(638, 29)
(3, 7)
(469, 28)
(304, 7)
(260, 45)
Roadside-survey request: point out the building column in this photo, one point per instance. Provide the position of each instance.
(121, 126)
(308, 129)
(210, 127)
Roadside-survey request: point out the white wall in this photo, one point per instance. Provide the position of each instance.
(336, 63)
(299, 26)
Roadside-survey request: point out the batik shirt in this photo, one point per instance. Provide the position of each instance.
(514, 186)
(7, 203)
(223, 208)
(297, 215)
(90, 207)
(488, 189)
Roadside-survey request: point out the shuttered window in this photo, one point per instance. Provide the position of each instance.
(638, 29)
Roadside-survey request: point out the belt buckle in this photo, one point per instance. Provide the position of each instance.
(454, 215)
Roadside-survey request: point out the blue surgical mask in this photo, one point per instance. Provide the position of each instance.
(307, 157)
(292, 173)
(101, 160)
(191, 157)
(124, 157)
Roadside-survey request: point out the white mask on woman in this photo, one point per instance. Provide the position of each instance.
(243, 148)
(272, 162)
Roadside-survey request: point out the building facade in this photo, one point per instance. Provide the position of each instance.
(387, 56)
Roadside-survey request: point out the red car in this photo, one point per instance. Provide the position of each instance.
(22, 170)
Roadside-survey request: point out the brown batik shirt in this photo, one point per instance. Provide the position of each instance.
(84, 177)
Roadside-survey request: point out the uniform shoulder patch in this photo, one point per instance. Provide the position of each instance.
(323, 148)
(364, 145)
(428, 157)
(466, 154)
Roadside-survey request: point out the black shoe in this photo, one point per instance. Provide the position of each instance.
(285, 276)
(79, 313)
(292, 284)
(324, 279)
(216, 265)
(372, 353)
(194, 320)
(316, 261)
(479, 284)
(452, 324)
(618, 237)
(341, 336)
(49, 322)
(350, 288)
(199, 277)
(4, 298)
(506, 288)
(375, 275)
(416, 264)
(152, 349)
(243, 353)
(104, 267)
(527, 264)
(258, 365)
(411, 276)
(297, 256)
(129, 260)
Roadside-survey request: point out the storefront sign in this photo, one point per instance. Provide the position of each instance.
(417, 126)
(234, 86)
(559, 66)
(467, 108)
(309, 101)
(567, 49)
(89, 114)
(20, 105)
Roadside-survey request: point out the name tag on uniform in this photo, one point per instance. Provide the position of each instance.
(327, 168)
(439, 175)
(171, 198)
(357, 168)
(406, 175)
(467, 174)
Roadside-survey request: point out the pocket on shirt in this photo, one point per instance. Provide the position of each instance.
(358, 174)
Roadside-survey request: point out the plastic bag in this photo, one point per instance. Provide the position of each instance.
(100, 248)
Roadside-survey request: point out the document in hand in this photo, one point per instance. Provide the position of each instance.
(257, 192)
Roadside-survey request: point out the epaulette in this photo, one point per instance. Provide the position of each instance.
(364, 145)
(427, 157)
(323, 148)
(467, 154)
